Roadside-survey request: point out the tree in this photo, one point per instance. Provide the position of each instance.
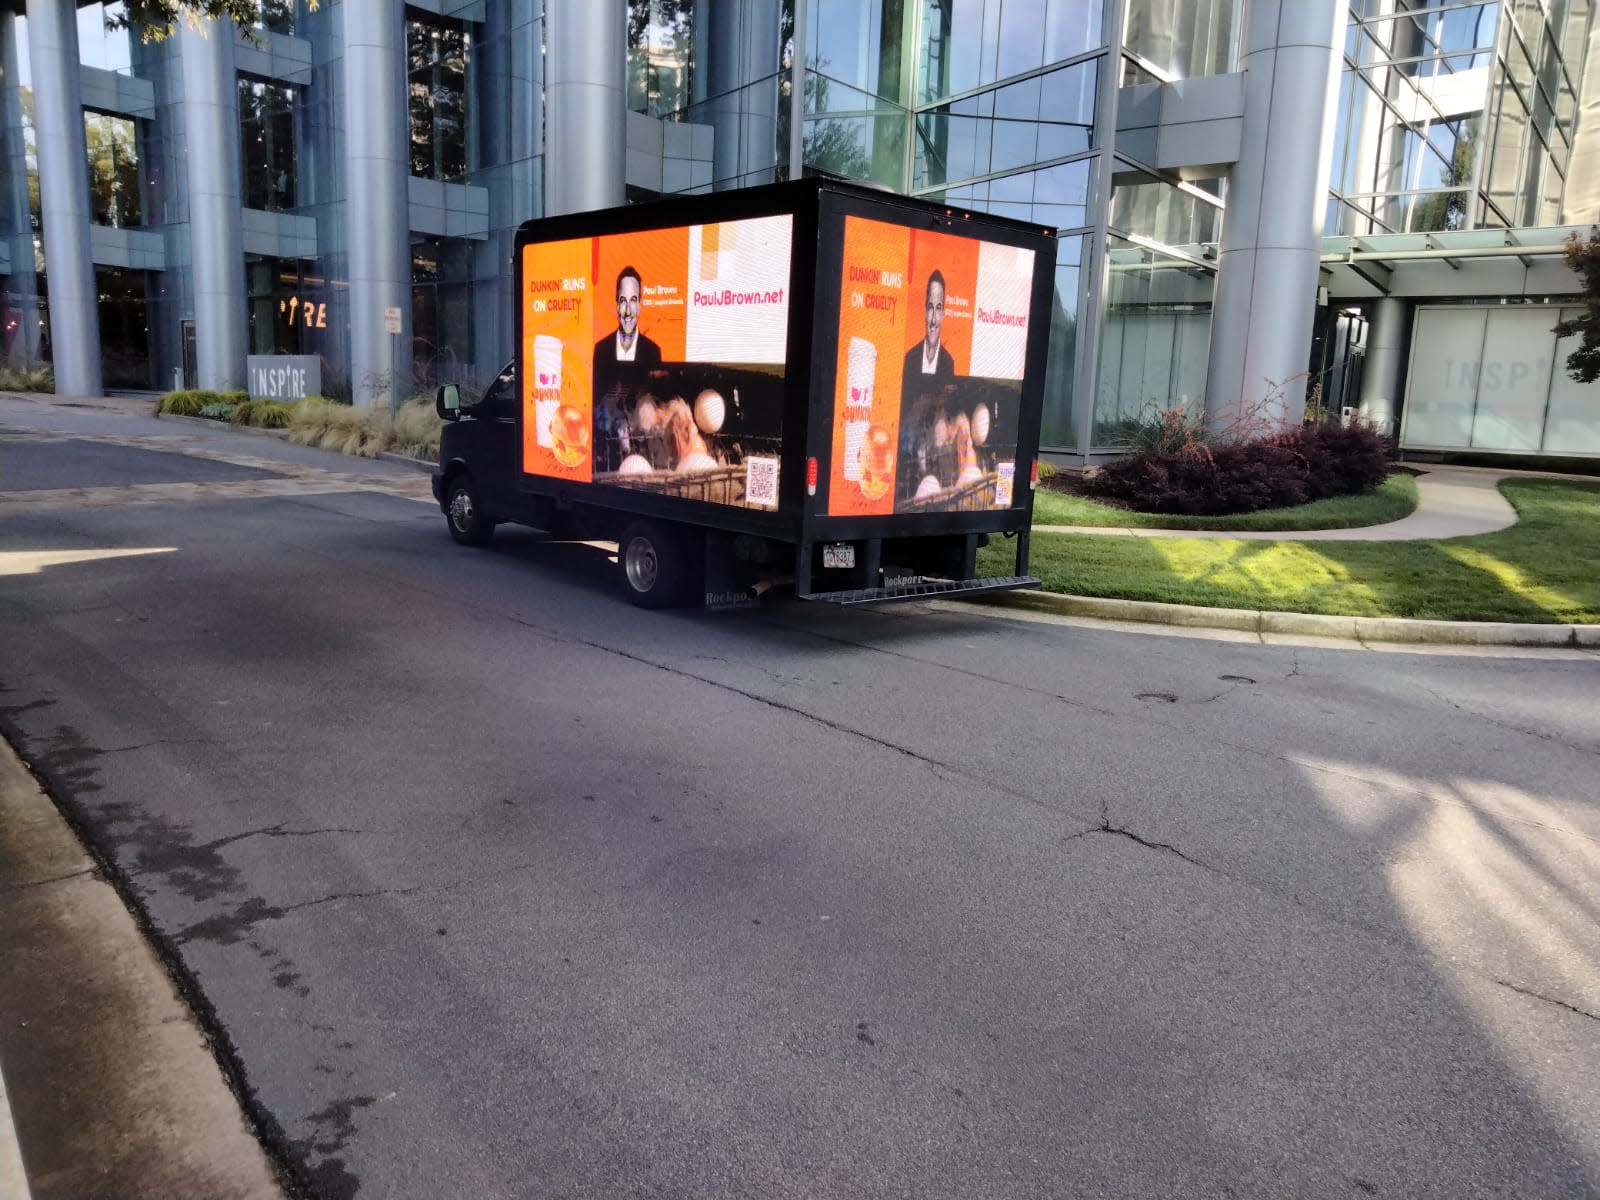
(1583, 364)
(157, 20)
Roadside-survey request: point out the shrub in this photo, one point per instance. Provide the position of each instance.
(27, 379)
(263, 414)
(1342, 459)
(219, 411)
(416, 429)
(1293, 467)
(187, 403)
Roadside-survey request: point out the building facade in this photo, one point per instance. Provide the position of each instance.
(1261, 203)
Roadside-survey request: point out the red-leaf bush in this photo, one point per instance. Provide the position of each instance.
(1292, 467)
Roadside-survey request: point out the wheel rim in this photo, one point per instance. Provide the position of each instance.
(639, 561)
(461, 509)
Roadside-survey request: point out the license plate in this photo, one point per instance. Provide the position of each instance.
(840, 554)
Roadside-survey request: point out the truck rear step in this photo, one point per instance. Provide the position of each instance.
(926, 589)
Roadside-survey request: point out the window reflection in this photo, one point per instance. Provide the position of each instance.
(1045, 117)
(114, 190)
(267, 144)
(660, 55)
(109, 49)
(969, 43)
(1183, 39)
(438, 56)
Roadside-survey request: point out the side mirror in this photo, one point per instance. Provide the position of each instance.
(447, 402)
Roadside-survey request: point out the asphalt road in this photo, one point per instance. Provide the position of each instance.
(492, 885)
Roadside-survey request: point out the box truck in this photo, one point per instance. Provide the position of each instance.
(810, 382)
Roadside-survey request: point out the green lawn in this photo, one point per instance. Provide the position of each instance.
(1546, 568)
(1393, 499)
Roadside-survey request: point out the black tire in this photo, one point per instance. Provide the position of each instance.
(659, 566)
(469, 525)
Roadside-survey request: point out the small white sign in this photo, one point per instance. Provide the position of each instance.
(391, 320)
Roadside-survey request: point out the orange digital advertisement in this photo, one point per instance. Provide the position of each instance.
(665, 373)
(932, 343)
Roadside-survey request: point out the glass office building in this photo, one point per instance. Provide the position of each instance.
(167, 209)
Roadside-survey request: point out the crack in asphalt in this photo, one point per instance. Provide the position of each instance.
(158, 742)
(1533, 995)
(1105, 826)
(11, 888)
(1486, 718)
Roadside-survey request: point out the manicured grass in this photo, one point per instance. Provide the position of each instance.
(1545, 568)
(1394, 498)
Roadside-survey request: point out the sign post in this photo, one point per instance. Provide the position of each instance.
(391, 325)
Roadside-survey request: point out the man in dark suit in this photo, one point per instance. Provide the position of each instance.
(621, 361)
(924, 382)
(928, 361)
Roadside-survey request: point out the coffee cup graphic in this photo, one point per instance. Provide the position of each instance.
(861, 367)
(547, 385)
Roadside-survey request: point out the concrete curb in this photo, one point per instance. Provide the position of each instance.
(13, 1178)
(1356, 629)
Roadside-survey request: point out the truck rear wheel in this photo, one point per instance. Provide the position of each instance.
(658, 565)
(468, 523)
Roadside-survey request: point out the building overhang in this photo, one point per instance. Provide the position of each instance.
(1460, 263)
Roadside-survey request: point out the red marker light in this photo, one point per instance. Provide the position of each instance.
(811, 476)
(1033, 476)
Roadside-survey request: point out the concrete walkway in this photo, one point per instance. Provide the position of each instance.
(1451, 502)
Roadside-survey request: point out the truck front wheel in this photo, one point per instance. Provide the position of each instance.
(658, 565)
(469, 525)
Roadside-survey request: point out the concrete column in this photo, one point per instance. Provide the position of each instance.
(22, 285)
(586, 104)
(378, 207)
(64, 187)
(741, 45)
(1384, 370)
(216, 228)
(1269, 262)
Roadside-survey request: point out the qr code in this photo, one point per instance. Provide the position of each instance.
(761, 482)
(1006, 474)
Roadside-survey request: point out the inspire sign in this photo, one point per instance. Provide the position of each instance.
(284, 376)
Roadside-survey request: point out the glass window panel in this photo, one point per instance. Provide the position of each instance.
(267, 144)
(1442, 389)
(1572, 424)
(438, 58)
(277, 16)
(1184, 38)
(1071, 27)
(114, 179)
(1060, 427)
(1513, 380)
(660, 37)
(98, 46)
(1155, 341)
(123, 309)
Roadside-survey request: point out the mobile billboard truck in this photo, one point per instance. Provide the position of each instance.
(809, 381)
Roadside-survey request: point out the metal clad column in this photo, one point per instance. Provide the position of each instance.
(64, 188)
(216, 228)
(1271, 243)
(378, 207)
(586, 95)
(1384, 367)
(21, 284)
(742, 50)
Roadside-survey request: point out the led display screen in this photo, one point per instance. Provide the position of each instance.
(933, 333)
(655, 359)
